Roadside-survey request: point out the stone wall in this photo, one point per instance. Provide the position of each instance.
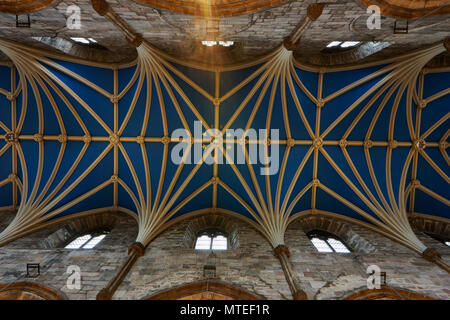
(334, 276)
(169, 263)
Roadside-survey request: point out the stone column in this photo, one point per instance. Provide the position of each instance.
(314, 11)
(135, 251)
(282, 253)
(432, 255)
(103, 9)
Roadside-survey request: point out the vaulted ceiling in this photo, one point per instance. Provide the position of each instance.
(366, 143)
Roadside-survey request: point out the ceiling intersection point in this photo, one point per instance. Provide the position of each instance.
(419, 144)
(166, 140)
(291, 142)
(114, 139)
(114, 99)
(393, 144)
(320, 103)
(343, 143)
(368, 144)
(443, 145)
(140, 139)
(87, 138)
(62, 138)
(422, 104)
(415, 183)
(317, 143)
(38, 137)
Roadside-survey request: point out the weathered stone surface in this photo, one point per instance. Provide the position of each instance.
(254, 33)
(168, 263)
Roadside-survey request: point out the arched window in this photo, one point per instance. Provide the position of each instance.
(444, 240)
(327, 242)
(87, 241)
(211, 240)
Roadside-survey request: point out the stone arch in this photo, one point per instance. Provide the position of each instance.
(339, 228)
(193, 291)
(429, 225)
(212, 221)
(25, 290)
(96, 223)
(385, 293)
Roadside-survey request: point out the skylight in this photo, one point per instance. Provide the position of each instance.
(85, 242)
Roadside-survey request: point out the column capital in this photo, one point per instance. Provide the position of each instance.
(137, 248)
(136, 40)
(280, 249)
(447, 44)
(100, 6)
(431, 254)
(289, 45)
(104, 294)
(300, 295)
(314, 11)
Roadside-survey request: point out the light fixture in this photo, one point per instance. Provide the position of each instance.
(23, 24)
(401, 27)
(33, 270)
(209, 269)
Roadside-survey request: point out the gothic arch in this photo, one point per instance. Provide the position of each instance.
(25, 290)
(339, 228)
(386, 293)
(220, 290)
